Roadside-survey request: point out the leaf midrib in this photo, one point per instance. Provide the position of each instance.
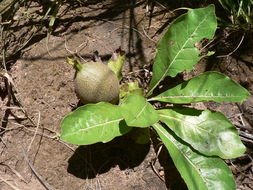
(187, 96)
(193, 126)
(94, 126)
(172, 62)
(182, 153)
(141, 111)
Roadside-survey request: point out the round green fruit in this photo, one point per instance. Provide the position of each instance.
(95, 82)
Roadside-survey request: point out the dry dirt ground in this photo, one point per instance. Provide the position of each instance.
(31, 158)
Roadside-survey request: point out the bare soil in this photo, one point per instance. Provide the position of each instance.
(30, 155)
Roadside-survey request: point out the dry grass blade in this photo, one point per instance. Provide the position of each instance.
(160, 146)
(40, 178)
(16, 173)
(246, 135)
(8, 183)
(237, 47)
(38, 124)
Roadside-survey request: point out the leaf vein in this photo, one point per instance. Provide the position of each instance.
(192, 96)
(182, 153)
(192, 125)
(94, 126)
(180, 50)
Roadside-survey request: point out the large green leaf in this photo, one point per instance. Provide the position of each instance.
(199, 172)
(176, 51)
(210, 133)
(93, 123)
(138, 112)
(207, 86)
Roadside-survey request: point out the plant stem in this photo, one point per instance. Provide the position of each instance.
(76, 64)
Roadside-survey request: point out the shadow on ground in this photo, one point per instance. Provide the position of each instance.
(88, 161)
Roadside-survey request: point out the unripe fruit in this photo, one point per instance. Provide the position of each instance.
(95, 82)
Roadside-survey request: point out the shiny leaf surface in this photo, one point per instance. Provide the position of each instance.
(176, 51)
(210, 133)
(207, 86)
(93, 123)
(138, 112)
(199, 172)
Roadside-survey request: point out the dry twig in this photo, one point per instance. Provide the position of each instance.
(38, 124)
(8, 183)
(219, 56)
(40, 178)
(15, 172)
(160, 146)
